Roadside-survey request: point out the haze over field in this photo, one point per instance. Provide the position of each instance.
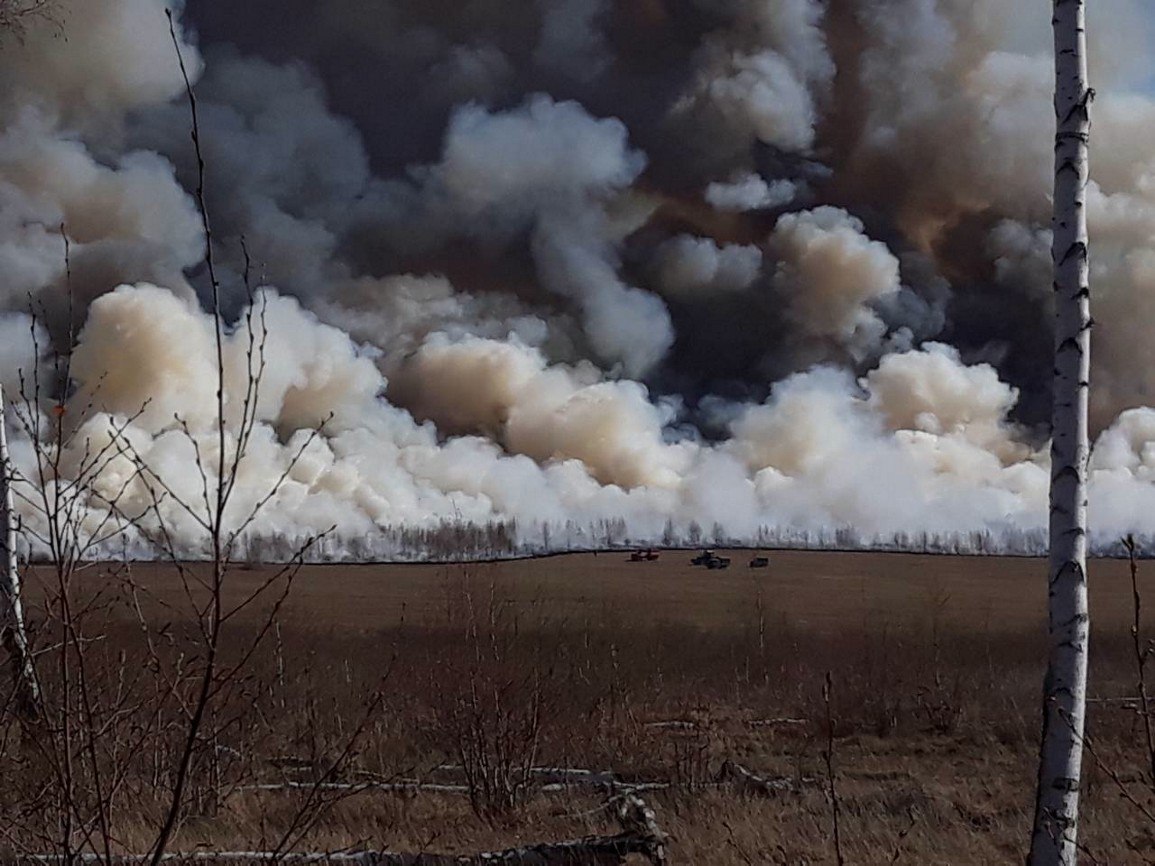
(747, 262)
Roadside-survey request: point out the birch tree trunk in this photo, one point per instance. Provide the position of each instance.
(15, 638)
(1053, 841)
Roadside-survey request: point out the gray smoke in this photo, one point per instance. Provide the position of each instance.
(727, 261)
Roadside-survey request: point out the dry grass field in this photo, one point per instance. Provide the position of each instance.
(659, 673)
(818, 592)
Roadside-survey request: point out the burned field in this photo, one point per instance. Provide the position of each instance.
(457, 708)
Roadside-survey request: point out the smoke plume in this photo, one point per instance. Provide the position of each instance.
(752, 263)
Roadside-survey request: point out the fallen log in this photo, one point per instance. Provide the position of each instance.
(691, 725)
(574, 777)
(744, 780)
(553, 781)
(640, 835)
(674, 725)
(553, 775)
(1118, 703)
(399, 787)
(777, 723)
(592, 851)
(440, 788)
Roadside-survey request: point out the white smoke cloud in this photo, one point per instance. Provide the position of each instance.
(146, 350)
(587, 437)
(763, 79)
(552, 166)
(473, 337)
(748, 192)
(823, 442)
(514, 165)
(112, 56)
(830, 271)
(131, 217)
(549, 413)
(932, 391)
(533, 441)
(687, 265)
(399, 313)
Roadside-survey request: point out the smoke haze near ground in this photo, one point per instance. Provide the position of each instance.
(745, 262)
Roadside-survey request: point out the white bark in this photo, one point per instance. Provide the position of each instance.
(1053, 841)
(15, 638)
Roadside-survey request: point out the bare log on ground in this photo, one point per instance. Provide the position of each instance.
(749, 782)
(777, 723)
(640, 835)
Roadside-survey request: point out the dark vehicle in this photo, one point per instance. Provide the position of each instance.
(760, 562)
(644, 555)
(703, 558)
(711, 560)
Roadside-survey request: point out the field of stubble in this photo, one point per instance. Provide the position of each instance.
(659, 673)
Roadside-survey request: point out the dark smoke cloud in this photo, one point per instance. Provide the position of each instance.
(713, 260)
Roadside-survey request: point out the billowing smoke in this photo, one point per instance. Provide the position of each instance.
(690, 265)
(749, 191)
(744, 263)
(830, 273)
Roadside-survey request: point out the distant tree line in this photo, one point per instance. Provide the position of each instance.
(462, 541)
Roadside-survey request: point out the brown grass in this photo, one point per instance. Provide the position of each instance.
(936, 666)
(817, 591)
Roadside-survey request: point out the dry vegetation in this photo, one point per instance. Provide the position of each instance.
(379, 680)
(15, 15)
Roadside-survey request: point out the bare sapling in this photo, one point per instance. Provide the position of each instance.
(217, 677)
(828, 759)
(146, 743)
(15, 15)
(12, 628)
(492, 723)
(1143, 652)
